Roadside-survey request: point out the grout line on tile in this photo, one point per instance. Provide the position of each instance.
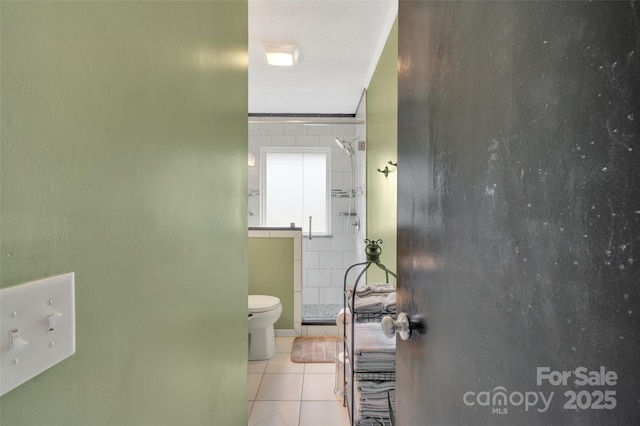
(257, 390)
(301, 392)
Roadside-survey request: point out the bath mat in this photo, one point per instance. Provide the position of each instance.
(314, 349)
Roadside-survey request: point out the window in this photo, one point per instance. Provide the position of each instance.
(294, 185)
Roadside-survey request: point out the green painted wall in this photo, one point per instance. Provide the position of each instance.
(271, 273)
(123, 158)
(382, 142)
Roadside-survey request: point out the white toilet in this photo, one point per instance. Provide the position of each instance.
(264, 311)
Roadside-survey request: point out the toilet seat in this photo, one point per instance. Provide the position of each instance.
(261, 303)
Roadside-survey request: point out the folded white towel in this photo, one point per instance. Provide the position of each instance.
(369, 304)
(369, 338)
(373, 367)
(371, 395)
(376, 386)
(372, 289)
(391, 298)
(389, 302)
(369, 407)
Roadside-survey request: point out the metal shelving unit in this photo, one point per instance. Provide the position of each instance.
(373, 252)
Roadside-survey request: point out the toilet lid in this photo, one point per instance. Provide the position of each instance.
(262, 303)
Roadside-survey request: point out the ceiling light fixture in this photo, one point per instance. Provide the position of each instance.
(281, 55)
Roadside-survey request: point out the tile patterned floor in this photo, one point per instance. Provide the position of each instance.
(283, 393)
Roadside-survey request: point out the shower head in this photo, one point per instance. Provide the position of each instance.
(346, 146)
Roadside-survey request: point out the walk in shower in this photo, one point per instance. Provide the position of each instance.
(326, 255)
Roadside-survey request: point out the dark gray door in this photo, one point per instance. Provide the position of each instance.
(519, 213)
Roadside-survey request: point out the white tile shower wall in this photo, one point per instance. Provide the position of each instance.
(324, 259)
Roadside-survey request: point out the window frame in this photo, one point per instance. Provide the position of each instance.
(264, 151)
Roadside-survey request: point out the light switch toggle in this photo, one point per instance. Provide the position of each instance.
(52, 320)
(15, 341)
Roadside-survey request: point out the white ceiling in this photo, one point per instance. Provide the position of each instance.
(339, 42)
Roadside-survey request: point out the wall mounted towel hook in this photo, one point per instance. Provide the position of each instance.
(392, 163)
(385, 172)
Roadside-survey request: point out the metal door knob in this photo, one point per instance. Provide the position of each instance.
(401, 326)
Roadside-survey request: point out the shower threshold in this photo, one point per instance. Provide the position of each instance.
(320, 314)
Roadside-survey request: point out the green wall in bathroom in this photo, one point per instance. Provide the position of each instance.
(123, 159)
(271, 273)
(382, 142)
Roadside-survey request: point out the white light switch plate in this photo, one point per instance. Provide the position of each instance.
(37, 328)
